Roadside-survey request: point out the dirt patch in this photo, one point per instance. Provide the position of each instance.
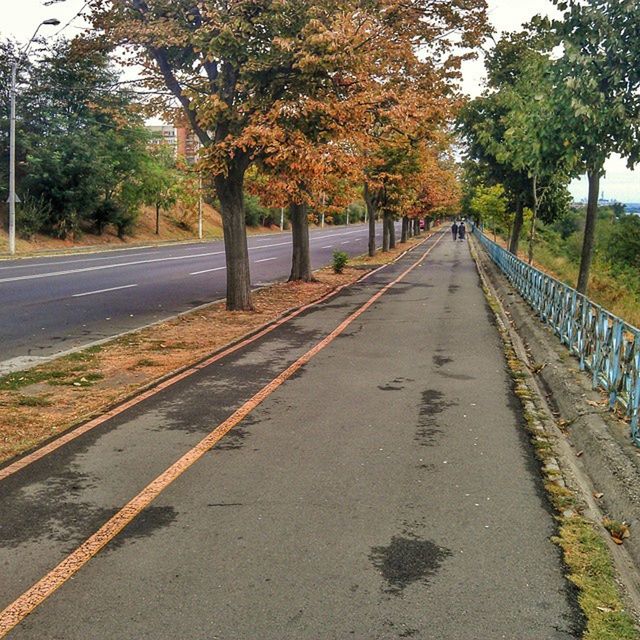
(41, 403)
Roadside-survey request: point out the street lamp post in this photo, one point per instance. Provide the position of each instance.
(12, 137)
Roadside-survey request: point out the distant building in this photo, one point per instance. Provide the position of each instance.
(180, 138)
(164, 134)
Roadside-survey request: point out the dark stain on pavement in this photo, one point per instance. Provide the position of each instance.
(453, 288)
(395, 385)
(54, 512)
(233, 440)
(432, 404)
(440, 361)
(146, 524)
(407, 561)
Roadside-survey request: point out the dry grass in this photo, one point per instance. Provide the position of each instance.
(49, 399)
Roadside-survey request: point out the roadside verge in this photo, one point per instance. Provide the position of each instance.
(85, 387)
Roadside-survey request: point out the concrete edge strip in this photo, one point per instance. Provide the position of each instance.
(180, 374)
(46, 586)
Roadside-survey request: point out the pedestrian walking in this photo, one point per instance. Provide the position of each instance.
(461, 231)
(454, 230)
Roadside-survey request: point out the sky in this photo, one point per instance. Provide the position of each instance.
(19, 20)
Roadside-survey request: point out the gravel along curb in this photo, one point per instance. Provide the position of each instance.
(579, 457)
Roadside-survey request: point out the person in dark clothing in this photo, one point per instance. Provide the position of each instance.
(454, 230)
(461, 231)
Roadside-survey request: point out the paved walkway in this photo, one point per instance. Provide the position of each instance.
(385, 491)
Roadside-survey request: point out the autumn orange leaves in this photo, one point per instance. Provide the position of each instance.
(306, 101)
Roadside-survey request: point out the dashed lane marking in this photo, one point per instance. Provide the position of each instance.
(93, 293)
(197, 273)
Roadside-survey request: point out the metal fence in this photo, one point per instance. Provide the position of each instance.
(605, 345)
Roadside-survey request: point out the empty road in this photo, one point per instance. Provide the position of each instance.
(50, 305)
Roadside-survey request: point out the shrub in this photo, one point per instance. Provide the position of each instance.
(106, 213)
(340, 259)
(32, 216)
(255, 212)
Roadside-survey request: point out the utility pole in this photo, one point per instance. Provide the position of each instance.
(281, 218)
(12, 162)
(324, 204)
(200, 207)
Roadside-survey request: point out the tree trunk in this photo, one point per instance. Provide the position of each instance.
(589, 231)
(427, 223)
(386, 235)
(392, 233)
(371, 212)
(157, 219)
(405, 229)
(517, 226)
(536, 206)
(301, 259)
(229, 188)
(416, 226)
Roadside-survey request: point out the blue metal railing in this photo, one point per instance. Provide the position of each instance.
(605, 345)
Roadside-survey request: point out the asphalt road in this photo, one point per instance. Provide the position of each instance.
(386, 490)
(51, 305)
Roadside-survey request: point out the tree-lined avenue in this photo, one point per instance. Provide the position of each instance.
(54, 304)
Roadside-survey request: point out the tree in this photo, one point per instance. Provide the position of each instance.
(511, 130)
(533, 138)
(600, 82)
(235, 68)
(489, 204)
(82, 141)
(159, 180)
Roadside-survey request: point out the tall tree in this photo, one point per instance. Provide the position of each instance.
(232, 67)
(600, 79)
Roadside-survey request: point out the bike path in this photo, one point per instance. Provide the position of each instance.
(385, 491)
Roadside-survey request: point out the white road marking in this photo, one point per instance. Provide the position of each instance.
(28, 265)
(93, 293)
(108, 266)
(327, 246)
(267, 246)
(264, 260)
(346, 242)
(197, 273)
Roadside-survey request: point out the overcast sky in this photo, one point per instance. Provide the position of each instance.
(19, 19)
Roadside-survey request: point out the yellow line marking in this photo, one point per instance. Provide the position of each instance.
(20, 608)
(52, 446)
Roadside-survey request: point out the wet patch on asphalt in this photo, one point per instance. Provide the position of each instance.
(395, 384)
(233, 440)
(55, 512)
(145, 525)
(432, 404)
(440, 361)
(407, 561)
